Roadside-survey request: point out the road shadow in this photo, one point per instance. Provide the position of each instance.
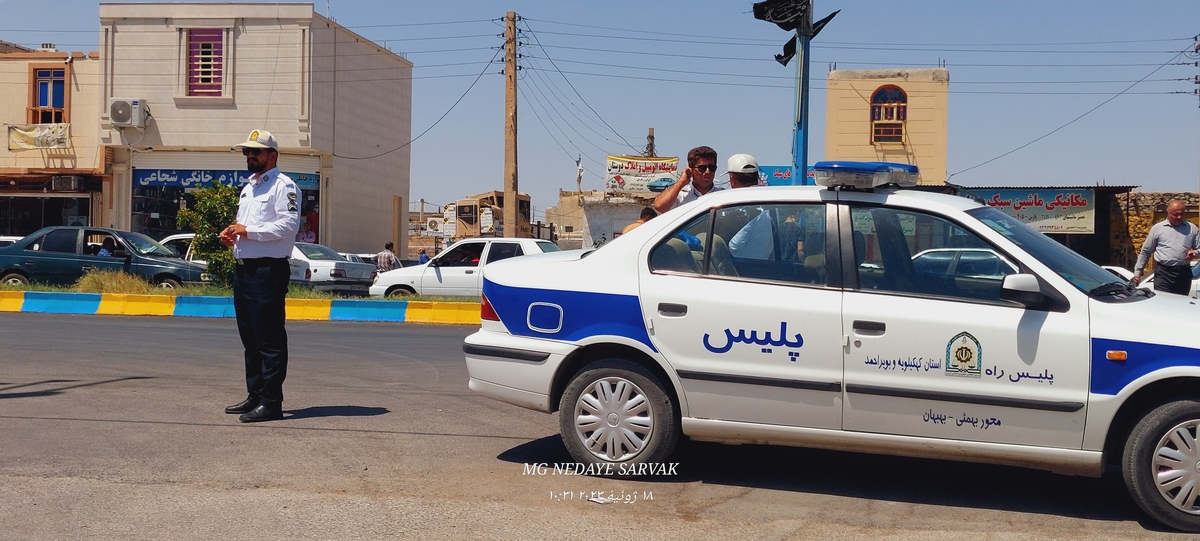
(58, 390)
(335, 411)
(879, 477)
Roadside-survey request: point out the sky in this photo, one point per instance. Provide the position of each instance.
(1071, 92)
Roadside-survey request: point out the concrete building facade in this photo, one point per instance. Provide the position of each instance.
(895, 115)
(180, 84)
(53, 170)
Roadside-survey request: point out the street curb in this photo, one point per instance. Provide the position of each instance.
(454, 313)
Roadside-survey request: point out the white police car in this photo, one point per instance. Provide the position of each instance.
(835, 339)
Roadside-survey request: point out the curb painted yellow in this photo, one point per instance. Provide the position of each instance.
(309, 309)
(120, 304)
(11, 301)
(442, 312)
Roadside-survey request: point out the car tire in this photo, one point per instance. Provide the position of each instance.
(615, 412)
(168, 283)
(399, 292)
(1161, 464)
(13, 279)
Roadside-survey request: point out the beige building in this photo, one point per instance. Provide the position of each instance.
(482, 215)
(181, 83)
(52, 171)
(889, 115)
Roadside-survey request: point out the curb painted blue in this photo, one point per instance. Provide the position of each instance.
(360, 310)
(61, 303)
(204, 306)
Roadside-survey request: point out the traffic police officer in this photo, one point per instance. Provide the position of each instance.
(262, 240)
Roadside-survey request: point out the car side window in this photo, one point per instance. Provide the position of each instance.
(60, 241)
(782, 242)
(503, 250)
(463, 255)
(911, 252)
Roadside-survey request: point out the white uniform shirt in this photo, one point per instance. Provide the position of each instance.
(688, 194)
(754, 240)
(269, 208)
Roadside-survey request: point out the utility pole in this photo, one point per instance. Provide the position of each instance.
(650, 152)
(511, 227)
(800, 137)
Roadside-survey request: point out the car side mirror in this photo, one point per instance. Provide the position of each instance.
(120, 253)
(435, 262)
(1023, 289)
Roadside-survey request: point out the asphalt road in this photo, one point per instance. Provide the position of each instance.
(113, 428)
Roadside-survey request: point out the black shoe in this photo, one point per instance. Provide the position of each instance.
(245, 406)
(261, 413)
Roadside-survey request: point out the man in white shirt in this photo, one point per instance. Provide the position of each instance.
(1172, 242)
(753, 240)
(262, 240)
(695, 181)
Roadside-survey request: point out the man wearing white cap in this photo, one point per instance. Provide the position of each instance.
(753, 240)
(262, 240)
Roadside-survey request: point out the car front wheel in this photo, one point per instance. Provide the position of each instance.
(169, 283)
(616, 412)
(399, 292)
(1161, 464)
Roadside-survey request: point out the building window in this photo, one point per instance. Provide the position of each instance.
(49, 100)
(889, 110)
(206, 61)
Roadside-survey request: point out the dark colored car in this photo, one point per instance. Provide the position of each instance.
(61, 255)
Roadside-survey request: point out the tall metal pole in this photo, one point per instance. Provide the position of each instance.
(511, 227)
(800, 136)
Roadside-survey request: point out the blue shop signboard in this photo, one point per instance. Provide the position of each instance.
(784, 175)
(199, 178)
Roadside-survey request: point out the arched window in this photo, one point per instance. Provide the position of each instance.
(889, 110)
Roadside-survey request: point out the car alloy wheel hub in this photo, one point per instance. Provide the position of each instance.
(614, 419)
(1177, 466)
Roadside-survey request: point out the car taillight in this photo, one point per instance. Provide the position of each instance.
(337, 272)
(308, 274)
(486, 312)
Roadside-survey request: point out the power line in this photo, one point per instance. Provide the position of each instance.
(1088, 112)
(550, 107)
(439, 120)
(555, 91)
(547, 53)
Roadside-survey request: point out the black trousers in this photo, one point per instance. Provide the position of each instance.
(1175, 279)
(259, 288)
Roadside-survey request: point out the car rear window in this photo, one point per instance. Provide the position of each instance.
(316, 252)
(547, 246)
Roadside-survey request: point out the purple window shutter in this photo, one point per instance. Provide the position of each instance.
(206, 61)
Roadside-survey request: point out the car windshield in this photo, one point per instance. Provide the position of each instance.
(1082, 273)
(146, 246)
(316, 252)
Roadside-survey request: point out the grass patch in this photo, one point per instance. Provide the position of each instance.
(108, 281)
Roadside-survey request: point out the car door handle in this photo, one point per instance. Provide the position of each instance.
(671, 309)
(85, 268)
(869, 328)
(470, 272)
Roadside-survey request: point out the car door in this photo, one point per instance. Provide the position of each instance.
(90, 261)
(54, 258)
(455, 272)
(930, 354)
(759, 343)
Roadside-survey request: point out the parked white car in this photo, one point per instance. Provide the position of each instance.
(845, 344)
(1148, 280)
(181, 243)
(332, 272)
(456, 271)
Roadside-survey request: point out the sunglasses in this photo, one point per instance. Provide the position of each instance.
(705, 168)
(253, 151)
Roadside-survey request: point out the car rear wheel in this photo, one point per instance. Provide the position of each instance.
(399, 292)
(15, 280)
(616, 412)
(1161, 464)
(169, 283)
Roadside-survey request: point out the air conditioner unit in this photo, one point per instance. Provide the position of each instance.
(128, 112)
(66, 183)
(434, 224)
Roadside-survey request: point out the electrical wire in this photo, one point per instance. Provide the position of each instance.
(1072, 121)
(593, 110)
(439, 120)
(555, 91)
